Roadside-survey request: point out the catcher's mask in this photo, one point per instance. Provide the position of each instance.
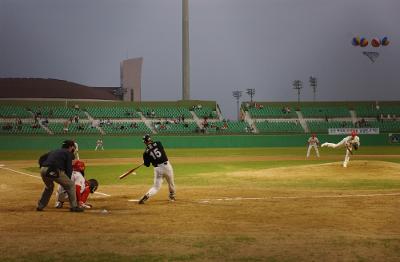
(146, 138)
(79, 166)
(93, 185)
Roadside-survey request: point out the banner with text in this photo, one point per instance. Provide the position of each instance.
(347, 131)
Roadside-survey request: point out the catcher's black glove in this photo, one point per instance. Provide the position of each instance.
(355, 146)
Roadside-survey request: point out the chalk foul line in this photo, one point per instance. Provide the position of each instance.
(30, 175)
(296, 197)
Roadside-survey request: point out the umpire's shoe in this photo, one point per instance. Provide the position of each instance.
(76, 209)
(143, 199)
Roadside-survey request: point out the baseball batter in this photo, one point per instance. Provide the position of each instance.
(313, 142)
(154, 154)
(82, 187)
(350, 142)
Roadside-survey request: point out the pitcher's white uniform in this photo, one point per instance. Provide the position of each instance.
(348, 142)
(313, 142)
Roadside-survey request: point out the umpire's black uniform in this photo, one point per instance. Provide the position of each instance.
(56, 166)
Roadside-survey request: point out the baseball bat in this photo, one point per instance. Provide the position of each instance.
(130, 171)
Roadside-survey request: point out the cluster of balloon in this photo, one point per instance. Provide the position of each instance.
(375, 42)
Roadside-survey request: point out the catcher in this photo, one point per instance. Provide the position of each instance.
(350, 142)
(82, 187)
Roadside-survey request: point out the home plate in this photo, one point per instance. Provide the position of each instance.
(133, 200)
(1, 165)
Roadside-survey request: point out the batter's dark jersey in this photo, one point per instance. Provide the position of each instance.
(154, 154)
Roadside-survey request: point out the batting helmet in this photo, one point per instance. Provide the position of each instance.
(78, 165)
(93, 185)
(353, 133)
(146, 138)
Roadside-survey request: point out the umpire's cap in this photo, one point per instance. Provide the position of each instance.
(146, 138)
(67, 144)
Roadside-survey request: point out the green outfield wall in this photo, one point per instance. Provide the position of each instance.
(206, 141)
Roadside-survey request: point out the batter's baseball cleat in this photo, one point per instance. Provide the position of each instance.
(172, 198)
(59, 204)
(143, 199)
(76, 209)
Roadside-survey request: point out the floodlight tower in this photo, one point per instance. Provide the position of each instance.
(298, 85)
(237, 95)
(185, 51)
(313, 84)
(251, 92)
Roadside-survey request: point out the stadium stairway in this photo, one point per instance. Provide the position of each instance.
(302, 122)
(147, 122)
(91, 119)
(196, 119)
(353, 116)
(219, 114)
(48, 131)
(45, 128)
(250, 121)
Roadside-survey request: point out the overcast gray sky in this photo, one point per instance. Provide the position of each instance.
(235, 44)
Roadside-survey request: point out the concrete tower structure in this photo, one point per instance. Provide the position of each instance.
(185, 51)
(131, 79)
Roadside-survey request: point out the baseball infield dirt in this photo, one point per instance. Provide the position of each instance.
(240, 223)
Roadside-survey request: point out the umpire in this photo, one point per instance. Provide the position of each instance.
(56, 166)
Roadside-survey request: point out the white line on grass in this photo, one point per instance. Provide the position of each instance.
(206, 201)
(26, 174)
(296, 197)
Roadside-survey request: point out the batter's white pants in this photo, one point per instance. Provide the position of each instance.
(309, 149)
(160, 172)
(347, 156)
